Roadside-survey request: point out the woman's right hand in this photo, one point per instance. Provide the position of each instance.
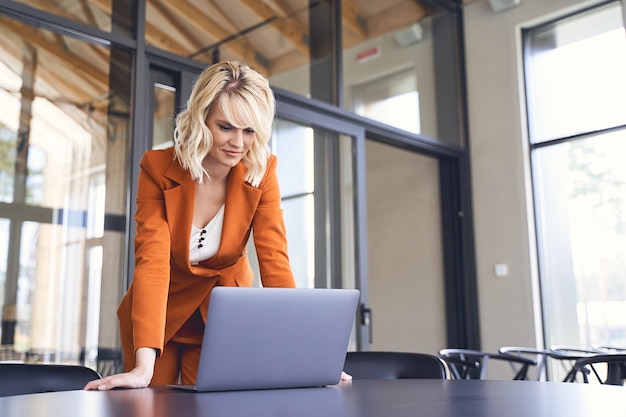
(133, 379)
(139, 377)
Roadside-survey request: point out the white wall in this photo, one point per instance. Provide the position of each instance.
(500, 164)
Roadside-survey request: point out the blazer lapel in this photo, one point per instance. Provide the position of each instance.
(179, 207)
(242, 200)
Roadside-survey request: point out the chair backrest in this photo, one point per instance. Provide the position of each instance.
(27, 378)
(613, 372)
(539, 355)
(7, 354)
(395, 365)
(109, 361)
(472, 364)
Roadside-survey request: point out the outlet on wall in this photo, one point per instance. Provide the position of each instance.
(501, 270)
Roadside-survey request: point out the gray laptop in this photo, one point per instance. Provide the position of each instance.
(266, 338)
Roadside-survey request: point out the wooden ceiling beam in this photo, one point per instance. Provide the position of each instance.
(394, 18)
(75, 64)
(158, 38)
(165, 9)
(214, 31)
(286, 26)
(353, 19)
(85, 6)
(154, 35)
(65, 94)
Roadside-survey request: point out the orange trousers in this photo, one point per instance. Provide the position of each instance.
(178, 363)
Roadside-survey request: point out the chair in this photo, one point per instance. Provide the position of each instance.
(7, 354)
(109, 361)
(395, 365)
(539, 355)
(568, 356)
(28, 378)
(614, 368)
(609, 349)
(472, 364)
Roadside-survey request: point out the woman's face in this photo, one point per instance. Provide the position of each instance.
(230, 143)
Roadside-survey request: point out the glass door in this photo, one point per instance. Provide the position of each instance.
(321, 173)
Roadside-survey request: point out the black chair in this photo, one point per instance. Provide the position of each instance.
(609, 349)
(7, 354)
(27, 378)
(613, 370)
(395, 365)
(568, 356)
(109, 361)
(472, 364)
(539, 355)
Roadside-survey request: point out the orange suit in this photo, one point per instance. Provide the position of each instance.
(166, 289)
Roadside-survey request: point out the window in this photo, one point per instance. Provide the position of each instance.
(393, 100)
(576, 96)
(64, 141)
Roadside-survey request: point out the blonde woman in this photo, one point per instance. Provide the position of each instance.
(197, 203)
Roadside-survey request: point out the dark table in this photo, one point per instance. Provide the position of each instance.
(382, 398)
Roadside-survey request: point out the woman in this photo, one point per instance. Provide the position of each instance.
(196, 206)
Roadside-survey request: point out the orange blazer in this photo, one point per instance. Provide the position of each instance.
(166, 289)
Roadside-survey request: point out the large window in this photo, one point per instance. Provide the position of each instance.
(64, 144)
(576, 91)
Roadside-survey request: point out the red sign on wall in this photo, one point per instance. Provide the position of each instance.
(368, 54)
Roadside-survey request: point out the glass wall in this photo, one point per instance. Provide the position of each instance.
(576, 93)
(107, 15)
(76, 84)
(63, 174)
(395, 70)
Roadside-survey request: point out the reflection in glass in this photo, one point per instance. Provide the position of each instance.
(293, 144)
(316, 177)
(163, 117)
(96, 13)
(63, 187)
(393, 100)
(9, 124)
(271, 39)
(4, 251)
(298, 215)
(391, 78)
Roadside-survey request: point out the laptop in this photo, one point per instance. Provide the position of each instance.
(269, 338)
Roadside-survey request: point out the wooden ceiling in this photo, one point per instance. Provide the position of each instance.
(270, 35)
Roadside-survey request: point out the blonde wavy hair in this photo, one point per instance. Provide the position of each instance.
(247, 101)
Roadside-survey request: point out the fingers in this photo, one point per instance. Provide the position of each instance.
(110, 382)
(346, 377)
(125, 380)
(97, 384)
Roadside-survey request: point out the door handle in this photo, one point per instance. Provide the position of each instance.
(366, 320)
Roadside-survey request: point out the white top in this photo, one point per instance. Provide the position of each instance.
(205, 242)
